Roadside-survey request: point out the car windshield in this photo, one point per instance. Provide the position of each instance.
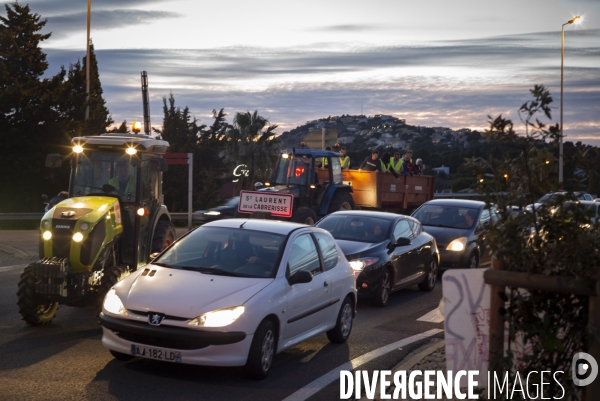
(548, 197)
(232, 202)
(226, 251)
(446, 216)
(356, 228)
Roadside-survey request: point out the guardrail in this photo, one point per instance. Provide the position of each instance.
(38, 216)
(21, 216)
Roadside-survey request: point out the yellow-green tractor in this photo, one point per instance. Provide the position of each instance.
(107, 225)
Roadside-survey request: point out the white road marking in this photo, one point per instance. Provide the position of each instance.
(9, 268)
(317, 385)
(435, 316)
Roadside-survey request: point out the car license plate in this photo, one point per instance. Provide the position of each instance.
(155, 353)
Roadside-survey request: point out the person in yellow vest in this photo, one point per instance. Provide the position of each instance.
(345, 159)
(396, 162)
(323, 164)
(386, 165)
(124, 182)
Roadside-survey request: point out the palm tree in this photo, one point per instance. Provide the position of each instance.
(251, 142)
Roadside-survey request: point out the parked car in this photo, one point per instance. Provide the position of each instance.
(233, 292)
(460, 228)
(593, 209)
(224, 211)
(552, 196)
(386, 251)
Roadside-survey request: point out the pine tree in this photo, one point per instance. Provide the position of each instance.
(74, 99)
(121, 129)
(30, 125)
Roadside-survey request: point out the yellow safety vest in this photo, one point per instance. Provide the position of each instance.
(398, 166)
(343, 161)
(130, 188)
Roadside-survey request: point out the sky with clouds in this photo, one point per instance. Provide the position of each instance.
(444, 63)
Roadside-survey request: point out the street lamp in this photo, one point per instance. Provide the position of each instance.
(575, 20)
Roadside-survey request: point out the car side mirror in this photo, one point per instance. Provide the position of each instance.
(300, 277)
(401, 242)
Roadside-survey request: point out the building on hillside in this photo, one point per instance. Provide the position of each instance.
(444, 169)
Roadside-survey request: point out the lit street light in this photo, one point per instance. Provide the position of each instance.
(575, 20)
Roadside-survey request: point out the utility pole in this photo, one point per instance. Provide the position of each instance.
(146, 102)
(87, 61)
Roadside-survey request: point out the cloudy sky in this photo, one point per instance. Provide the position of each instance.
(433, 62)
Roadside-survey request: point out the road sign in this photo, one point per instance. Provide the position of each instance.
(266, 202)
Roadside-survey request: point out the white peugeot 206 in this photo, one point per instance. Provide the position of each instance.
(233, 293)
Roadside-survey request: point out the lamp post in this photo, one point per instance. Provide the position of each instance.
(575, 20)
(87, 62)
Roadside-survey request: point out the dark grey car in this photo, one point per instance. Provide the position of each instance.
(224, 211)
(460, 228)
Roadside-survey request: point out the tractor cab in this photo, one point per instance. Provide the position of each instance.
(307, 173)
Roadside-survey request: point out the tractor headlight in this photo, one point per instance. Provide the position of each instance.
(47, 235)
(458, 245)
(112, 304)
(78, 237)
(359, 264)
(218, 318)
(46, 225)
(84, 226)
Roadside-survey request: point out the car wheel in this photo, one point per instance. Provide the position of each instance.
(384, 288)
(121, 356)
(343, 325)
(431, 273)
(473, 261)
(262, 351)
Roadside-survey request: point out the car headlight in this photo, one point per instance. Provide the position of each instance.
(113, 304)
(359, 264)
(212, 213)
(457, 245)
(218, 318)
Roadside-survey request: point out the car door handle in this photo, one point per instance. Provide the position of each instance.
(325, 283)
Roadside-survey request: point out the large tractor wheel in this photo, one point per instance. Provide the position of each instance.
(341, 201)
(305, 215)
(34, 310)
(111, 276)
(164, 235)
